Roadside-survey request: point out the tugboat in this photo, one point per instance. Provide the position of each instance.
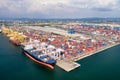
(39, 57)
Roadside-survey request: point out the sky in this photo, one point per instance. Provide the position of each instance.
(59, 8)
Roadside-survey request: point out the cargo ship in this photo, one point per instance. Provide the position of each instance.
(39, 57)
(0, 30)
(14, 41)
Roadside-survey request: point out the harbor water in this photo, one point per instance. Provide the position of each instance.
(14, 65)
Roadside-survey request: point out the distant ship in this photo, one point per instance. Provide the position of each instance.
(39, 57)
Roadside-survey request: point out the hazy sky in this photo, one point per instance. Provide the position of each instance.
(59, 8)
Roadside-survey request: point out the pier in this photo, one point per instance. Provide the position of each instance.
(79, 45)
(68, 65)
(97, 51)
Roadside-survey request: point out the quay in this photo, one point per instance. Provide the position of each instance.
(97, 51)
(68, 65)
(73, 47)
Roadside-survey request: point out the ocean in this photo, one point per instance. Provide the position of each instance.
(14, 65)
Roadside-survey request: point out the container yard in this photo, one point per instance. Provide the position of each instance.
(64, 45)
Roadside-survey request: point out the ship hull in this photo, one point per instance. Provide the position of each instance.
(15, 42)
(50, 66)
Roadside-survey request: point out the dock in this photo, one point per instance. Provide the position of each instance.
(67, 61)
(67, 65)
(97, 51)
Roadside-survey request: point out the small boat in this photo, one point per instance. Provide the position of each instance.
(39, 57)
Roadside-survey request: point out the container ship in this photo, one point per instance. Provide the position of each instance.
(39, 57)
(14, 41)
(0, 30)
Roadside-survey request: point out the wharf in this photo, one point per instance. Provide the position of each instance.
(97, 51)
(67, 65)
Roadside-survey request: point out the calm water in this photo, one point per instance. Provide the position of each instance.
(14, 65)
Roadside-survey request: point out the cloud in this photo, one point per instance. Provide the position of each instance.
(54, 8)
(103, 9)
(13, 6)
(99, 5)
(96, 4)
